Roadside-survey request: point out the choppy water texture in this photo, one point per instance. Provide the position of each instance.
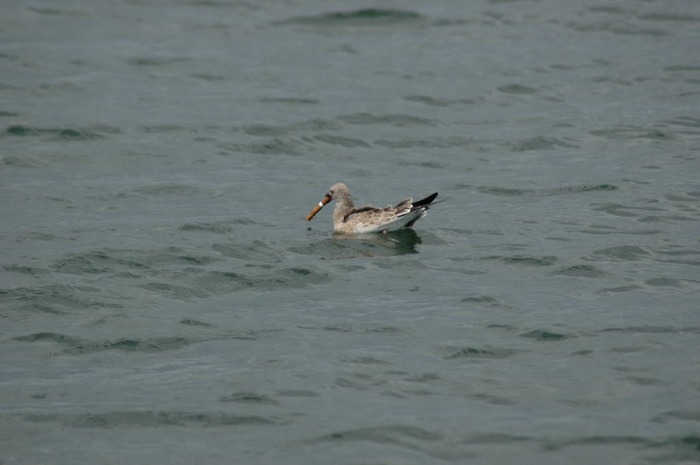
(164, 301)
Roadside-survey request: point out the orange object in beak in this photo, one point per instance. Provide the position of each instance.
(318, 207)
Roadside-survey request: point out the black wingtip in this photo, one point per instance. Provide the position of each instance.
(426, 201)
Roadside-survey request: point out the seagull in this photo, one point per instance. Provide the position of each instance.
(368, 219)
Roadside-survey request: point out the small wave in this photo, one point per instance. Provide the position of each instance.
(175, 291)
(28, 270)
(672, 282)
(621, 253)
(257, 251)
(279, 130)
(100, 261)
(165, 128)
(482, 301)
(90, 263)
(541, 143)
(669, 17)
(410, 438)
(79, 346)
(580, 271)
(297, 393)
(290, 100)
(341, 141)
(75, 134)
(439, 102)
(272, 146)
(17, 161)
(632, 132)
(478, 352)
(545, 335)
(617, 290)
(427, 143)
(650, 329)
(504, 191)
(546, 260)
(217, 227)
(54, 299)
(517, 89)
(496, 438)
(361, 17)
(249, 398)
(391, 120)
(116, 260)
(56, 11)
(152, 419)
(265, 130)
(608, 440)
(193, 322)
(168, 189)
(156, 60)
(618, 27)
(267, 278)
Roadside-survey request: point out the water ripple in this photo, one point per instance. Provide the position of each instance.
(54, 299)
(453, 353)
(545, 335)
(79, 346)
(150, 419)
(397, 120)
(621, 253)
(580, 271)
(363, 17)
(403, 436)
(504, 191)
(76, 134)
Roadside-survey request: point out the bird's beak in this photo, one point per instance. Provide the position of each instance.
(318, 207)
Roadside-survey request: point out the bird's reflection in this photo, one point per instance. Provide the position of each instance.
(404, 241)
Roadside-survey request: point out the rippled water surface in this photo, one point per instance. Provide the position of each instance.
(163, 299)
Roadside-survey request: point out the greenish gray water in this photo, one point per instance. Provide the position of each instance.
(163, 299)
